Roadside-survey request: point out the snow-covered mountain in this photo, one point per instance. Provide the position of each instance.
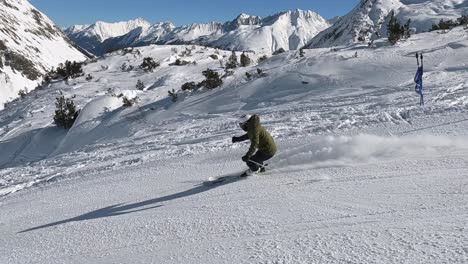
(371, 16)
(92, 37)
(30, 44)
(288, 30)
(425, 13)
(154, 34)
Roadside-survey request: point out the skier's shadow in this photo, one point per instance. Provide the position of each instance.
(122, 209)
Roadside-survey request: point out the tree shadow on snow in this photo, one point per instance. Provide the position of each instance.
(122, 209)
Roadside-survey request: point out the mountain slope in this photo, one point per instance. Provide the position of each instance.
(425, 13)
(30, 44)
(362, 174)
(371, 16)
(358, 25)
(288, 30)
(324, 92)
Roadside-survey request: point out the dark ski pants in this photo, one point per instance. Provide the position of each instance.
(259, 158)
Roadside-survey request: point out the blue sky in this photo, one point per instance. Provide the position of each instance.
(180, 12)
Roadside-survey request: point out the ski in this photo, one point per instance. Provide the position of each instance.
(222, 179)
(232, 178)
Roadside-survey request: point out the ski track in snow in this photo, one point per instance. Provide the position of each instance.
(362, 174)
(362, 213)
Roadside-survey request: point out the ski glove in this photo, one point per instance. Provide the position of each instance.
(245, 159)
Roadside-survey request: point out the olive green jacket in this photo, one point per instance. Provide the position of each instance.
(259, 138)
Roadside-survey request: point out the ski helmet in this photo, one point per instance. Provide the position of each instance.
(244, 119)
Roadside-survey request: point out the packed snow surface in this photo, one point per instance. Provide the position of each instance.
(362, 175)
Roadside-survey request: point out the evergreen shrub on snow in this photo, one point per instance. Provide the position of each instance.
(140, 85)
(69, 69)
(232, 61)
(449, 24)
(245, 60)
(129, 102)
(262, 59)
(173, 95)
(396, 31)
(123, 67)
(180, 62)
(189, 86)
(149, 64)
(22, 93)
(65, 112)
(212, 80)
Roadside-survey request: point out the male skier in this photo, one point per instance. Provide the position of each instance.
(262, 145)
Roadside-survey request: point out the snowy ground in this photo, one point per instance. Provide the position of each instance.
(362, 174)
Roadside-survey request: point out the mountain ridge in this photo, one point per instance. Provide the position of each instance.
(288, 30)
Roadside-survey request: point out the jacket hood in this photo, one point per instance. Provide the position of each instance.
(254, 121)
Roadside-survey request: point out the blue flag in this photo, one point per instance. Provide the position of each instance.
(418, 80)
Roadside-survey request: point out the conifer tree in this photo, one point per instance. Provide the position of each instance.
(232, 62)
(245, 60)
(393, 29)
(212, 80)
(396, 31)
(65, 113)
(149, 64)
(140, 85)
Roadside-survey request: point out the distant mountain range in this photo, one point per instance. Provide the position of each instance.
(289, 30)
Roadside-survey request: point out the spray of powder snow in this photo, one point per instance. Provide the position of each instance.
(346, 151)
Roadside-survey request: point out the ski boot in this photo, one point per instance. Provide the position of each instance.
(249, 172)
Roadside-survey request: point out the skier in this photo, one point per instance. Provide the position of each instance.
(262, 145)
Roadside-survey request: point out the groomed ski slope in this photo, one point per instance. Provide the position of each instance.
(363, 175)
(366, 199)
